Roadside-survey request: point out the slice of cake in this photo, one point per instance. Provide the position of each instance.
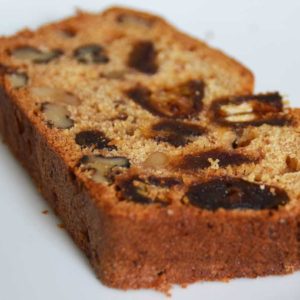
(150, 147)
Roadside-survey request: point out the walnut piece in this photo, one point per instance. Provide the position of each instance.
(48, 94)
(56, 115)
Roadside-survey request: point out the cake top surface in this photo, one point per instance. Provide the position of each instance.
(149, 118)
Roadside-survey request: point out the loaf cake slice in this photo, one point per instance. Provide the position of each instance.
(153, 151)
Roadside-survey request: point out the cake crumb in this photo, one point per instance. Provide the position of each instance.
(45, 212)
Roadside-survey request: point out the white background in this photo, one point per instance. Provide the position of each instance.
(37, 259)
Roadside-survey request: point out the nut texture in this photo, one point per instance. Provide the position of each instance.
(101, 166)
(156, 160)
(17, 80)
(35, 55)
(251, 110)
(91, 54)
(56, 115)
(55, 95)
(134, 20)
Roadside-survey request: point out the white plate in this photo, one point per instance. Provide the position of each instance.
(37, 259)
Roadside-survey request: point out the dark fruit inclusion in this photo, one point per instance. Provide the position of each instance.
(267, 109)
(200, 160)
(143, 57)
(234, 193)
(93, 138)
(131, 191)
(181, 101)
(176, 133)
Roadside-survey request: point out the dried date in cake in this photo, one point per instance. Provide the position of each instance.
(235, 193)
(143, 57)
(91, 54)
(251, 110)
(150, 190)
(181, 101)
(176, 133)
(35, 55)
(101, 167)
(93, 138)
(212, 158)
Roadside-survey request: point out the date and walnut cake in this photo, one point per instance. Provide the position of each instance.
(153, 150)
